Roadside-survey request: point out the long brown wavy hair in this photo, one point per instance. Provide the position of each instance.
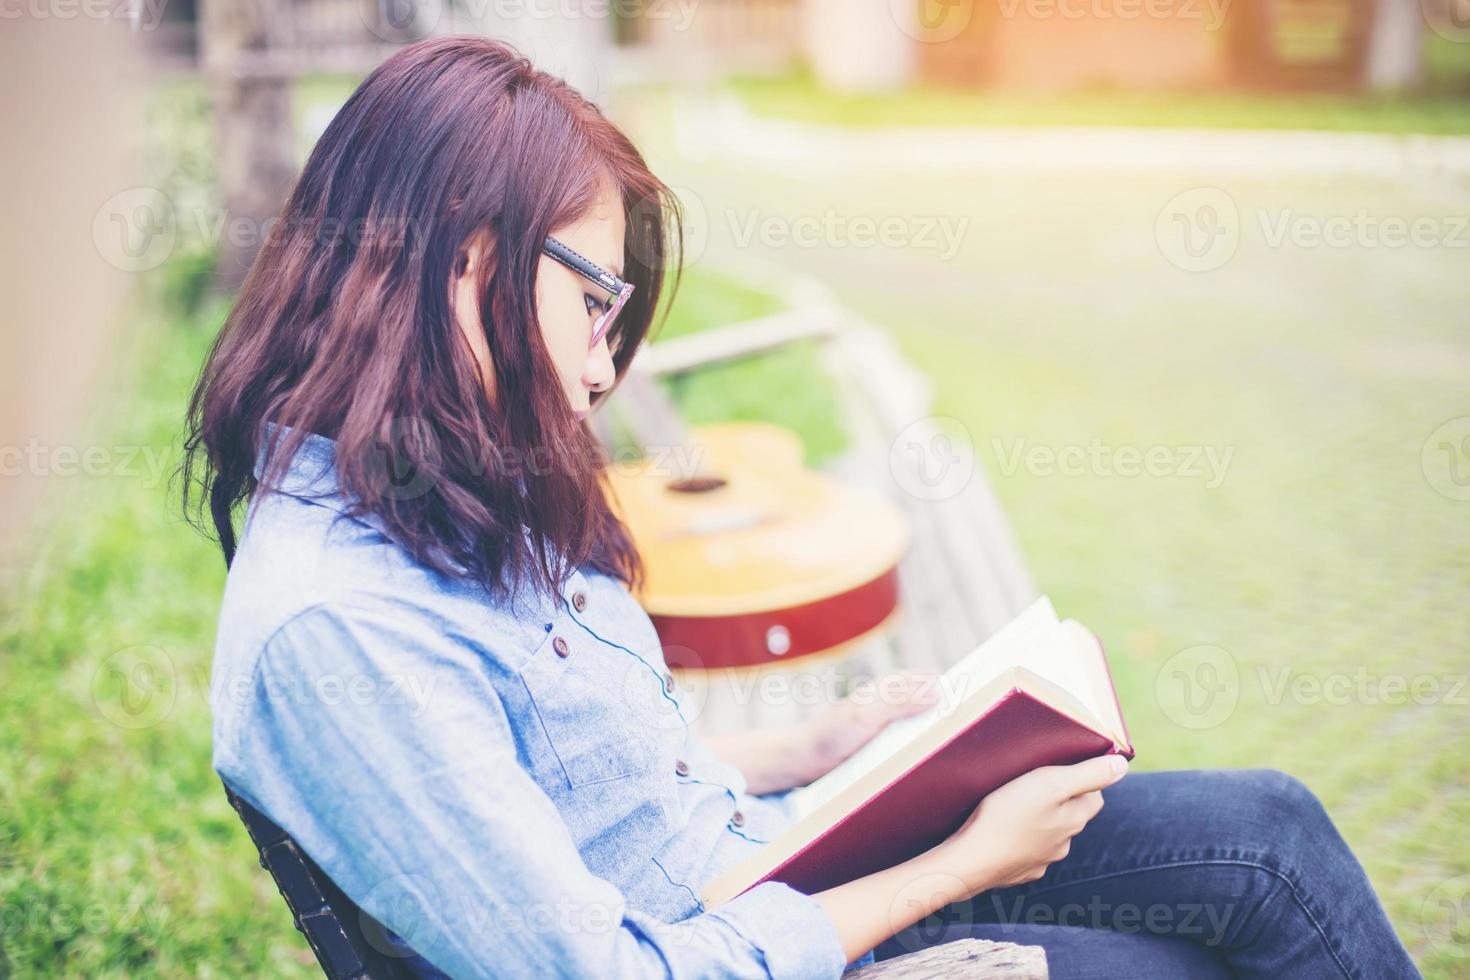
(344, 326)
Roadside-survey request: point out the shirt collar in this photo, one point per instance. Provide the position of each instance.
(312, 472)
(311, 475)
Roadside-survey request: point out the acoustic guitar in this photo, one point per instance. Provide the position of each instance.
(750, 557)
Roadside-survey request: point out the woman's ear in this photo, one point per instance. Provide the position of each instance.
(473, 254)
(465, 298)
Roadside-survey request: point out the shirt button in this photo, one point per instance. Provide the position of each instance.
(560, 646)
(579, 601)
(737, 819)
(668, 683)
(681, 768)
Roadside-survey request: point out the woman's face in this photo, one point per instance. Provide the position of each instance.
(567, 305)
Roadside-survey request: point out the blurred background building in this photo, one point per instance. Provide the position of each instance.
(251, 52)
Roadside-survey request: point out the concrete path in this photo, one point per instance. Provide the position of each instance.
(721, 128)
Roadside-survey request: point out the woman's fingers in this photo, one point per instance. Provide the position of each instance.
(893, 696)
(1081, 809)
(1090, 776)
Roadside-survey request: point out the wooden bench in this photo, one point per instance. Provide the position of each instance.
(960, 958)
(962, 579)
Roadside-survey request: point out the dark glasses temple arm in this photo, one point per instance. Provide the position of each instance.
(581, 265)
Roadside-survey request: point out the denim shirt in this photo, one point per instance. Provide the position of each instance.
(510, 786)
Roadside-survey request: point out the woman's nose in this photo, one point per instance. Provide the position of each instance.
(600, 372)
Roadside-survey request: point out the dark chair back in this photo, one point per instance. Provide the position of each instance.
(348, 943)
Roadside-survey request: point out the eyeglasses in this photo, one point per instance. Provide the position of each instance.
(616, 289)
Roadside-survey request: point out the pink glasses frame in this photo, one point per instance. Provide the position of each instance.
(585, 268)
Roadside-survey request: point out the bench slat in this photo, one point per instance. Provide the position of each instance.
(960, 958)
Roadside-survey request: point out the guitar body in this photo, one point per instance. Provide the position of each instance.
(750, 558)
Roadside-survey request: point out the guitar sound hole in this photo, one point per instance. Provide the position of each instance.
(697, 484)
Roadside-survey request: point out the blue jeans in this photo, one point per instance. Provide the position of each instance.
(1219, 873)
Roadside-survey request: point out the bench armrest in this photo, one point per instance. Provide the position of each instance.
(978, 958)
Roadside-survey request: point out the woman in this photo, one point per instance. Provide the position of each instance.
(430, 670)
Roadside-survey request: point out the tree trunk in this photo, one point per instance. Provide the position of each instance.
(575, 44)
(254, 144)
(1396, 45)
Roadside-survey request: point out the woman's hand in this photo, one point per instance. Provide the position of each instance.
(1028, 824)
(839, 730)
(1011, 837)
(777, 759)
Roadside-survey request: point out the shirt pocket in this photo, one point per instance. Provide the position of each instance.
(576, 686)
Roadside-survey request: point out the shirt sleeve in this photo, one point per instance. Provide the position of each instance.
(385, 751)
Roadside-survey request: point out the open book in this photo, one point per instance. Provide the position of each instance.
(1037, 693)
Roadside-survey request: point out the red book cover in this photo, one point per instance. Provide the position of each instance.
(932, 799)
(1039, 693)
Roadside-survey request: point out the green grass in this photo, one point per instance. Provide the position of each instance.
(786, 387)
(1325, 553)
(798, 97)
(120, 855)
